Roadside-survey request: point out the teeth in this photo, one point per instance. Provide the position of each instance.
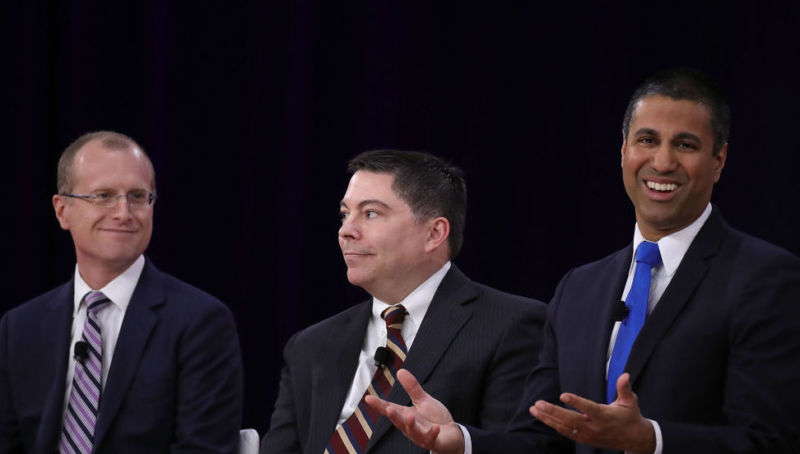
(662, 186)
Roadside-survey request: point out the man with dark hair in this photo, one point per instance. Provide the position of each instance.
(702, 353)
(122, 358)
(402, 223)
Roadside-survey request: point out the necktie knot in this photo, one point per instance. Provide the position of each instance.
(394, 316)
(96, 301)
(648, 253)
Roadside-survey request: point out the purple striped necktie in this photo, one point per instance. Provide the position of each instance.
(84, 399)
(352, 436)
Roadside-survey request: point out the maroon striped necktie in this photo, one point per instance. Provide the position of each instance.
(84, 399)
(353, 435)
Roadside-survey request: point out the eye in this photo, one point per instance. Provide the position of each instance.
(371, 214)
(102, 196)
(137, 196)
(687, 145)
(645, 140)
(342, 215)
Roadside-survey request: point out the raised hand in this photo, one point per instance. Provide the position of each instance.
(619, 425)
(427, 422)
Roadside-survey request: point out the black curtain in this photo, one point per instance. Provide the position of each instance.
(250, 110)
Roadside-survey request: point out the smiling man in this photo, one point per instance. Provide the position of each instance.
(402, 223)
(123, 358)
(683, 341)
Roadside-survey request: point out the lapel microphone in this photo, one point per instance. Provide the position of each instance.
(382, 356)
(81, 351)
(621, 311)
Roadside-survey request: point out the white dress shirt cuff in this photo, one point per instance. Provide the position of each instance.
(659, 438)
(467, 440)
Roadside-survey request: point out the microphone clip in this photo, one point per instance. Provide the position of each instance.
(383, 356)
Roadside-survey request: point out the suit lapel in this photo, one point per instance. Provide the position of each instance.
(447, 314)
(139, 321)
(56, 338)
(333, 372)
(688, 276)
(615, 275)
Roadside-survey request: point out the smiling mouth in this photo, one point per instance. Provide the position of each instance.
(119, 231)
(661, 187)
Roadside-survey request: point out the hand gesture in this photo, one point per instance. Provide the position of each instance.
(427, 422)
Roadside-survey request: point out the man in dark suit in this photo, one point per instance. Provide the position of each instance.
(716, 365)
(123, 358)
(402, 222)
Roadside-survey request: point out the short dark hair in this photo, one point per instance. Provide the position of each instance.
(109, 139)
(690, 84)
(430, 185)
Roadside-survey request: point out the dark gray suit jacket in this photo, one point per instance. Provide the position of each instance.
(717, 363)
(472, 352)
(175, 382)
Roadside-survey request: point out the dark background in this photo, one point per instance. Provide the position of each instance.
(250, 110)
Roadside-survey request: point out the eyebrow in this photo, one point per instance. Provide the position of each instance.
(679, 136)
(687, 135)
(647, 131)
(366, 202)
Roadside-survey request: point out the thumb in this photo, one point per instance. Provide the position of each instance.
(625, 394)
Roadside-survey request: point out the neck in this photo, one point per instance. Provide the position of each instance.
(98, 276)
(397, 291)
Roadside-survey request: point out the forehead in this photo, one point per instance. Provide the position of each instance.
(371, 186)
(96, 166)
(670, 116)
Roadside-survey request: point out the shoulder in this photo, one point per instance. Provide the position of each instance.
(176, 291)
(508, 304)
(490, 306)
(753, 251)
(180, 305)
(34, 307)
(322, 332)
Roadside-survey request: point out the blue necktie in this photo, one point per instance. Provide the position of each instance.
(647, 257)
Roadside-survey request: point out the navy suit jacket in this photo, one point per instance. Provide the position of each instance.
(717, 363)
(174, 385)
(473, 351)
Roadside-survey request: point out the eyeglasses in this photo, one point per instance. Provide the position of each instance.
(135, 199)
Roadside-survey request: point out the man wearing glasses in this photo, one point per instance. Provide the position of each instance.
(123, 358)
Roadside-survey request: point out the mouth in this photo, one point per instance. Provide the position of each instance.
(661, 187)
(122, 231)
(354, 254)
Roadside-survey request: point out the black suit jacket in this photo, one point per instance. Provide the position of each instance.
(717, 363)
(472, 352)
(175, 382)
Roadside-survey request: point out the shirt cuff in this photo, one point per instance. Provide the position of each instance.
(467, 440)
(659, 439)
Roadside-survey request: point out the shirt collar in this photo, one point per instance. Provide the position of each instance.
(119, 290)
(418, 301)
(674, 246)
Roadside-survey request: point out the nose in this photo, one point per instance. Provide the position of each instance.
(664, 159)
(122, 210)
(349, 228)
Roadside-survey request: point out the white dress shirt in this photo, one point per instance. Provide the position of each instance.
(119, 291)
(416, 304)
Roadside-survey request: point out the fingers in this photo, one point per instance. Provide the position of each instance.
(411, 385)
(581, 404)
(378, 404)
(562, 420)
(416, 429)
